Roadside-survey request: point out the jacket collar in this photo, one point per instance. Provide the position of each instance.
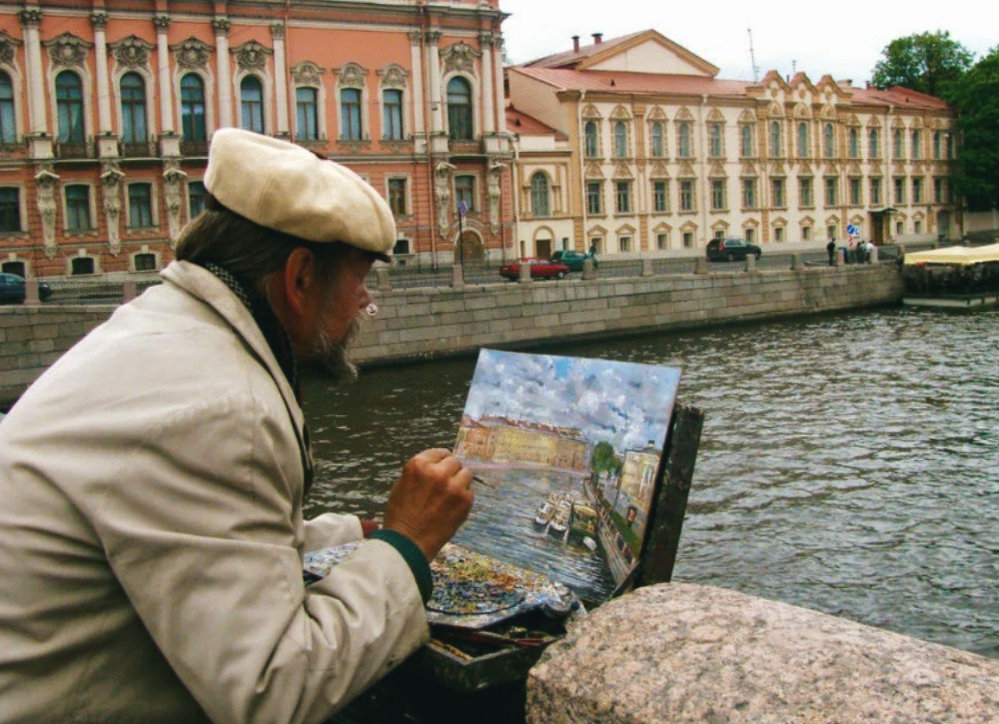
(205, 286)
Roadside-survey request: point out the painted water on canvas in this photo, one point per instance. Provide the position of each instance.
(568, 450)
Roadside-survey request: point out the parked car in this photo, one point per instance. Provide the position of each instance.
(12, 289)
(572, 259)
(540, 269)
(732, 250)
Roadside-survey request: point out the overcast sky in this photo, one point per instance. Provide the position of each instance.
(853, 32)
(621, 403)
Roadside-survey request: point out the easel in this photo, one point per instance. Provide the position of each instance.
(422, 691)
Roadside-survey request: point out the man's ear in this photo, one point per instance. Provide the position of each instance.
(299, 277)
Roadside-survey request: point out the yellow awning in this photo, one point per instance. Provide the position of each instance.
(955, 255)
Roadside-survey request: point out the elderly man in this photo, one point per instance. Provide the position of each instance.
(151, 481)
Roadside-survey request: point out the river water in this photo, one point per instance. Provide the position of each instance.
(849, 463)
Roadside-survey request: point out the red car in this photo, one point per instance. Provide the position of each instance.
(540, 269)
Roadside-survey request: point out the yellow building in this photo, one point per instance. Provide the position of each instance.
(664, 155)
(638, 475)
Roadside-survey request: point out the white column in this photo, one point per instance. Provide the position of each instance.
(223, 81)
(100, 22)
(417, 63)
(162, 23)
(280, 78)
(36, 84)
(498, 87)
(488, 106)
(434, 71)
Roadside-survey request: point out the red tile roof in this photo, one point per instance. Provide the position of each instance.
(571, 57)
(621, 82)
(525, 125)
(899, 97)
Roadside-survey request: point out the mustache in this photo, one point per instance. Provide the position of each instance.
(332, 358)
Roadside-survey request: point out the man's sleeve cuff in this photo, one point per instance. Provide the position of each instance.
(414, 558)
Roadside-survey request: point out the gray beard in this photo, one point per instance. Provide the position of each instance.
(332, 359)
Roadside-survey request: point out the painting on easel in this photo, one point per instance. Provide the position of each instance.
(568, 450)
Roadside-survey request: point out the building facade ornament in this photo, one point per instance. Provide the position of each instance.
(161, 22)
(251, 55)
(415, 37)
(350, 75)
(443, 172)
(221, 26)
(111, 201)
(460, 57)
(173, 179)
(8, 48)
(277, 31)
(131, 52)
(393, 76)
(192, 53)
(433, 37)
(486, 40)
(32, 17)
(45, 185)
(495, 193)
(99, 19)
(307, 73)
(68, 50)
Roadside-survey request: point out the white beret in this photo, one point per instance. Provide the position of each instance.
(284, 187)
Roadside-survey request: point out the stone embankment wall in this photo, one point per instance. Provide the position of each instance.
(432, 322)
(688, 654)
(436, 322)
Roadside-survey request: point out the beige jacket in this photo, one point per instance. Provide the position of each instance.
(151, 534)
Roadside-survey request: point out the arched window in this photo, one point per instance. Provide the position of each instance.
(620, 139)
(69, 107)
(307, 114)
(776, 142)
(684, 140)
(854, 143)
(592, 143)
(899, 138)
(828, 141)
(350, 114)
(459, 109)
(658, 140)
(802, 140)
(746, 140)
(8, 128)
(539, 195)
(133, 108)
(392, 115)
(874, 143)
(251, 99)
(192, 108)
(937, 145)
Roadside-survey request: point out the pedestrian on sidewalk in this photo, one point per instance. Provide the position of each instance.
(831, 250)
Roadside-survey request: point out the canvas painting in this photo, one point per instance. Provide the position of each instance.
(567, 451)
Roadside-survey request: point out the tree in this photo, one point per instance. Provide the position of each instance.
(976, 96)
(926, 62)
(604, 458)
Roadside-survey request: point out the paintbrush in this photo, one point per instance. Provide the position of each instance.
(481, 481)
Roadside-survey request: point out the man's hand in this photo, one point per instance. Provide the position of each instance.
(430, 500)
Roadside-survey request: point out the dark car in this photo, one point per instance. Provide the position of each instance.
(572, 259)
(731, 250)
(540, 269)
(12, 289)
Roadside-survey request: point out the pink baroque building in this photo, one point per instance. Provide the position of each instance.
(107, 109)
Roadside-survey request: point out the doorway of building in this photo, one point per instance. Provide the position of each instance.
(878, 226)
(470, 249)
(543, 248)
(943, 225)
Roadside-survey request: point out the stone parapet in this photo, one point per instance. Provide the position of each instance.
(689, 654)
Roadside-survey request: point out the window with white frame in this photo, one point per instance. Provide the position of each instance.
(69, 107)
(251, 101)
(684, 140)
(874, 143)
(595, 197)
(196, 194)
(750, 233)
(192, 108)
(8, 123)
(464, 191)
(624, 244)
(686, 195)
(620, 139)
(623, 195)
(392, 114)
(540, 201)
(937, 145)
(660, 193)
(917, 144)
(133, 108)
(900, 191)
(658, 140)
(917, 190)
(806, 233)
(778, 234)
(397, 196)
(855, 192)
(802, 139)
(746, 145)
(307, 114)
(78, 207)
(776, 139)
(350, 114)
(918, 227)
(899, 228)
(592, 139)
(828, 141)
(938, 191)
(875, 191)
(854, 143)
(805, 195)
(777, 194)
(662, 241)
(832, 191)
(140, 205)
(832, 232)
(749, 193)
(10, 210)
(144, 262)
(716, 146)
(899, 150)
(718, 194)
(459, 109)
(81, 265)
(688, 240)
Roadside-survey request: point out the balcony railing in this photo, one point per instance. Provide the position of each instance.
(138, 149)
(74, 150)
(194, 148)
